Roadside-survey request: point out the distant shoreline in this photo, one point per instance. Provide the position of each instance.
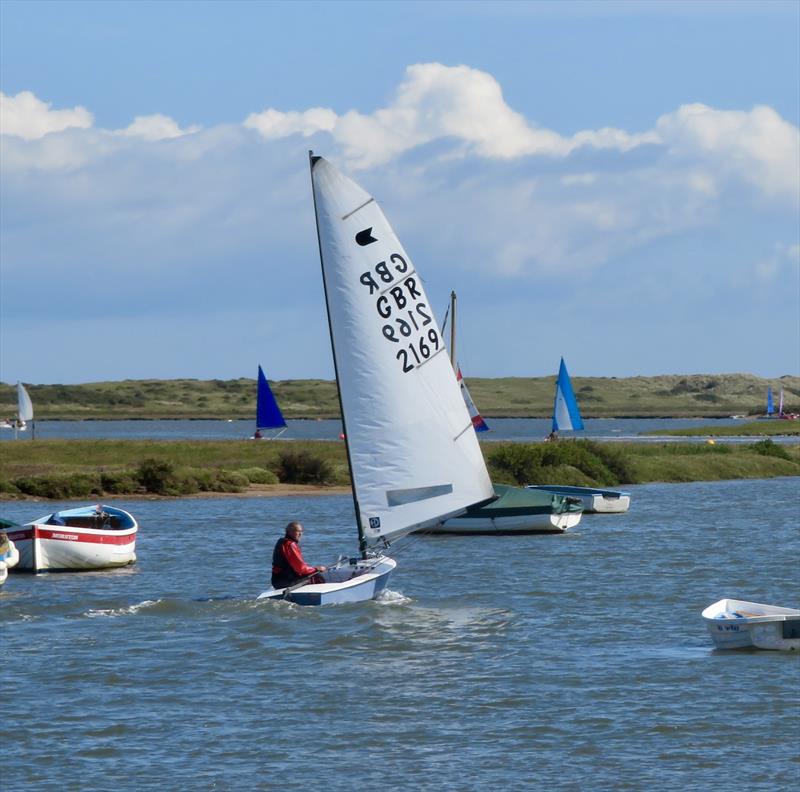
(710, 396)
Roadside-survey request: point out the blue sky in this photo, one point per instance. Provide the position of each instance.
(617, 183)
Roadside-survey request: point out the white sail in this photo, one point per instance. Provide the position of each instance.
(415, 459)
(24, 404)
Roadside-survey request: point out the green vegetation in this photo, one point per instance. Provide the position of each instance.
(751, 429)
(83, 468)
(694, 395)
(585, 463)
(577, 462)
(62, 469)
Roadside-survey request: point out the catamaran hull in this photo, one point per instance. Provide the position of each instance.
(737, 624)
(594, 501)
(547, 523)
(358, 581)
(47, 548)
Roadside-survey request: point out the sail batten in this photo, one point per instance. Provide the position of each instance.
(401, 405)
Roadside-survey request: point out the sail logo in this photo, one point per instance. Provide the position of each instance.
(375, 523)
(365, 237)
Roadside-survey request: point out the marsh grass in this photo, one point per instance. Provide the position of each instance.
(774, 428)
(87, 468)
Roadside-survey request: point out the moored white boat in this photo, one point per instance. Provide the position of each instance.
(72, 540)
(593, 500)
(517, 510)
(738, 624)
(414, 459)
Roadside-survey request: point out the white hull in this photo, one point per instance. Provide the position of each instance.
(356, 581)
(47, 547)
(521, 524)
(593, 501)
(738, 624)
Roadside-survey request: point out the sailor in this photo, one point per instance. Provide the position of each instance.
(288, 566)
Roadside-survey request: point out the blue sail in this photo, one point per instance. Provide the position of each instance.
(566, 415)
(770, 405)
(268, 414)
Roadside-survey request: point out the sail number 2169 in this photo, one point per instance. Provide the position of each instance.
(418, 350)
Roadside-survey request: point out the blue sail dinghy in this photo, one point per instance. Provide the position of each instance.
(567, 417)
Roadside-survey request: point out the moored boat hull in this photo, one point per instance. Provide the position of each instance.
(514, 510)
(594, 501)
(545, 523)
(73, 546)
(357, 581)
(738, 624)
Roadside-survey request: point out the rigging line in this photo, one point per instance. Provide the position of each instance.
(446, 314)
(410, 539)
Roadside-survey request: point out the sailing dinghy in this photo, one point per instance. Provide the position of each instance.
(24, 410)
(268, 414)
(738, 624)
(567, 417)
(414, 459)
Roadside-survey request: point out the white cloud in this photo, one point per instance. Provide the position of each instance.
(156, 127)
(783, 262)
(758, 146)
(437, 102)
(28, 117)
(274, 124)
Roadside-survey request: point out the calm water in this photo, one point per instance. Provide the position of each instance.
(501, 429)
(563, 662)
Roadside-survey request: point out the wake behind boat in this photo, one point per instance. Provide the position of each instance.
(738, 624)
(413, 457)
(73, 540)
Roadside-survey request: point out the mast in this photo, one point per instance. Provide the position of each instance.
(362, 542)
(453, 329)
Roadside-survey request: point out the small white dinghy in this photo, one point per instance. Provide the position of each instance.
(413, 457)
(738, 624)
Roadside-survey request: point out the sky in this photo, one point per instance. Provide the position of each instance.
(617, 183)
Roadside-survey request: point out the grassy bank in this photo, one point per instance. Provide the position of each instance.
(599, 397)
(774, 428)
(93, 468)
